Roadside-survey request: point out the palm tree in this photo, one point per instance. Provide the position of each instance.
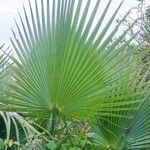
(68, 66)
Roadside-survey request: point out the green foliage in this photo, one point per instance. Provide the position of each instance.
(63, 68)
(66, 70)
(76, 136)
(51, 145)
(146, 24)
(135, 134)
(14, 129)
(2, 146)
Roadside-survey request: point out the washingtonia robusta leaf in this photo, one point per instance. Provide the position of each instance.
(64, 63)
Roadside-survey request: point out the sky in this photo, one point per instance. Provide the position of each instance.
(9, 10)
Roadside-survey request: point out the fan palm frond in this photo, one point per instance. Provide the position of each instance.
(12, 125)
(65, 65)
(139, 136)
(135, 135)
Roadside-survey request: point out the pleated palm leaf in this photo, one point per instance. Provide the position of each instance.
(134, 135)
(139, 136)
(13, 127)
(67, 64)
(132, 132)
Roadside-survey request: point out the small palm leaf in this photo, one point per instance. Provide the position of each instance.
(134, 136)
(139, 136)
(67, 65)
(12, 125)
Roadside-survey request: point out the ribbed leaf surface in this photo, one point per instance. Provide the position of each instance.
(12, 125)
(64, 63)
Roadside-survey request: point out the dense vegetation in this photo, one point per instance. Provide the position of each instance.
(68, 85)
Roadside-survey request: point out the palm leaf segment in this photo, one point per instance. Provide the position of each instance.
(12, 125)
(66, 64)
